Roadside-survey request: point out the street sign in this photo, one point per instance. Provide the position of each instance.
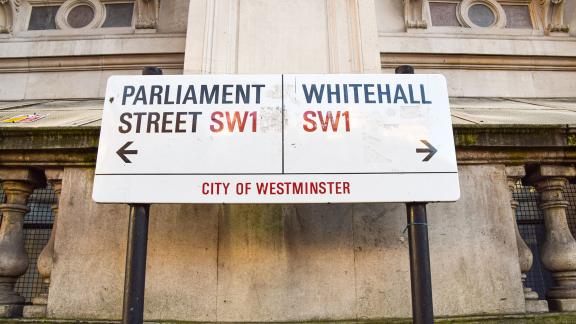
(276, 139)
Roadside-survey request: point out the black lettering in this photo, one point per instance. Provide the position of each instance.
(195, 115)
(125, 122)
(166, 95)
(153, 121)
(368, 93)
(331, 93)
(423, 95)
(258, 87)
(355, 87)
(166, 122)
(190, 95)
(313, 92)
(138, 120)
(411, 95)
(208, 98)
(383, 93)
(128, 92)
(400, 94)
(155, 92)
(178, 93)
(179, 122)
(226, 93)
(140, 96)
(245, 95)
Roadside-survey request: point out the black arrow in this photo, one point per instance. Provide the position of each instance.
(123, 151)
(431, 150)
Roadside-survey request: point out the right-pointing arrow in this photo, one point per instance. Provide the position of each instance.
(431, 150)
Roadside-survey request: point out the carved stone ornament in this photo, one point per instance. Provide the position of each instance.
(552, 12)
(556, 17)
(414, 14)
(7, 11)
(147, 14)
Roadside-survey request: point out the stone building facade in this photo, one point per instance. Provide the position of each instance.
(510, 66)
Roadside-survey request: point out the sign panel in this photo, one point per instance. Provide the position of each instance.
(276, 139)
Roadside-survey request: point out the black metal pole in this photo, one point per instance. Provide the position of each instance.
(135, 277)
(420, 276)
(136, 250)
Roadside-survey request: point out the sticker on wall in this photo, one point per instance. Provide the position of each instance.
(22, 119)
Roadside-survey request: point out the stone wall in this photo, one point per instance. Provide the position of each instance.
(287, 262)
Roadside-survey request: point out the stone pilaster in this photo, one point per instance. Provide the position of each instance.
(558, 253)
(46, 257)
(525, 258)
(17, 185)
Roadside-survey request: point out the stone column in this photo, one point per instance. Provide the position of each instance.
(45, 259)
(533, 304)
(17, 184)
(559, 250)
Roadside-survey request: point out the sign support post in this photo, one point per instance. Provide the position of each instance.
(420, 277)
(135, 277)
(136, 250)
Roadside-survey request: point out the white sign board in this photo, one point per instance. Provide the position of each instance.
(276, 139)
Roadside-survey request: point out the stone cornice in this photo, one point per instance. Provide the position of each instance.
(44, 147)
(515, 144)
(81, 45)
(510, 144)
(479, 62)
(496, 44)
(91, 63)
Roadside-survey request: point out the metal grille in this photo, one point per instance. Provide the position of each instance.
(531, 227)
(37, 226)
(570, 195)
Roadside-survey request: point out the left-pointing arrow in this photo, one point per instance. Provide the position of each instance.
(122, 152)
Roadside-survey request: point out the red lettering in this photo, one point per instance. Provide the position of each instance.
(307, 119)
(241, 121)
(329, 117)
(346, 115)
(327, 120)
(232, 120)
(219, 125)
(215, 188)
(253, 115)
(262, 188)
(298, 188)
